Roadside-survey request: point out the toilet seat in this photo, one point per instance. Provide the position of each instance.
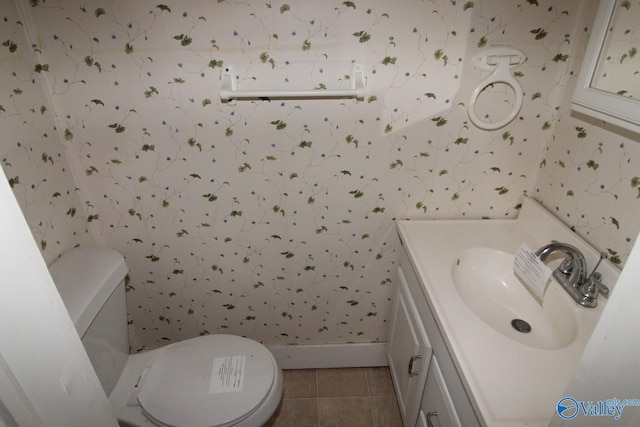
(201, 382)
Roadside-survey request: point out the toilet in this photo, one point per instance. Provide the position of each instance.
(207, 381)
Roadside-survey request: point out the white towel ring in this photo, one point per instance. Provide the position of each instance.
(500, 61)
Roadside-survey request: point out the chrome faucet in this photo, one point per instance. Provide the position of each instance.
(572, 274)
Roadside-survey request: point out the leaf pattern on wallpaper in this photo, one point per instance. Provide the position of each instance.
(11, 45)
(275, 219)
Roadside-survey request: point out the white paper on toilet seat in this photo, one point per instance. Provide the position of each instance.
(227, 374)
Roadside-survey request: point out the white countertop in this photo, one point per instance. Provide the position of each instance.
(509, 383)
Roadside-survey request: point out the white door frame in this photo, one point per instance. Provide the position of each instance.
(46, 378)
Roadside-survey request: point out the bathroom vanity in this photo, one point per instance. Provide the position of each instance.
(417, 358)
(455, 356)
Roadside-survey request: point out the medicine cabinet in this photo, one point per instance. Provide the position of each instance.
(608, 86)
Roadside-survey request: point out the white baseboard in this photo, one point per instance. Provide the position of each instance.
(330, 355)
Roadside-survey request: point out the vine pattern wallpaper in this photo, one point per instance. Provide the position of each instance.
(275, 219)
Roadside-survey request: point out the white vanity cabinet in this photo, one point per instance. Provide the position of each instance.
(429, 390)
(437, 408)
(408, 353)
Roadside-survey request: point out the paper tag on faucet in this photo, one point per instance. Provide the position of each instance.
(531, 271)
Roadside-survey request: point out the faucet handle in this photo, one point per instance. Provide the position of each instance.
(597, 281)
(594, 286)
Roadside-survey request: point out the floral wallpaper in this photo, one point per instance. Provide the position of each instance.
(32, 155)
(275, 219)
(590, 176)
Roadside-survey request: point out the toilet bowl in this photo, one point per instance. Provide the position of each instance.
(213, 380)
(207, 381)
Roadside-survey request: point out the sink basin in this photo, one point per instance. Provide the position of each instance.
(485, 280)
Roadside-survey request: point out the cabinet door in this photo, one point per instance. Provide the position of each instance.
(437, 408)
(408, 353)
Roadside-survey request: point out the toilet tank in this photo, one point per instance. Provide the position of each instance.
(90, 281)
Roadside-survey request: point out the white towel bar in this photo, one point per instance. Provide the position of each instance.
(228, 89)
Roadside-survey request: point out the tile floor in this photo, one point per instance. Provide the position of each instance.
(353, 397)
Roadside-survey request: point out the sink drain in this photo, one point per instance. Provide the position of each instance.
(521, 326)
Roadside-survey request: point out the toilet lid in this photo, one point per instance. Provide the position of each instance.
(212, 380)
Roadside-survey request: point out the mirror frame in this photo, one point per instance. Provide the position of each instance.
(610, 107)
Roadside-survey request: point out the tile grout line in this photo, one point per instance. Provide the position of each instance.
(318, 396)
(366, 380)
(366, 377)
